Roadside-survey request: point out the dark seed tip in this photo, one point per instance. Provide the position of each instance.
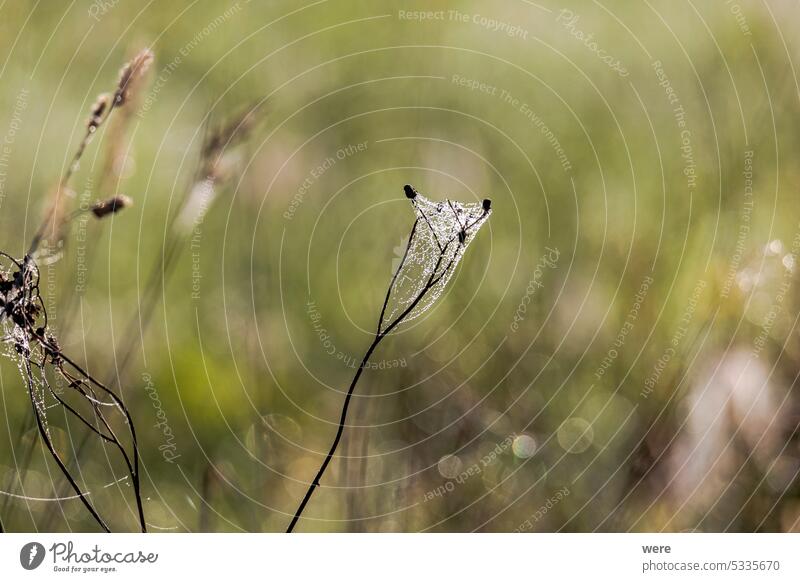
(487, 204)
(410, 192)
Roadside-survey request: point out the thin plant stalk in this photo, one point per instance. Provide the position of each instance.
(37, 347)
(131, 75)
(380, 334)
(210, 171)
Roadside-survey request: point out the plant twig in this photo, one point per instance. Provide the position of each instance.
(36, 347)
(381, 333)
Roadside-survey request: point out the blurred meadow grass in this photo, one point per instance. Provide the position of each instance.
(252, 390)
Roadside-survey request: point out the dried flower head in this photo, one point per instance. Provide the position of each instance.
(96, 114)
(225, 137)
(110, 206)
(440, 235)
(131, 74)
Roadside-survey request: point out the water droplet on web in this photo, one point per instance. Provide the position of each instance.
(442, 233)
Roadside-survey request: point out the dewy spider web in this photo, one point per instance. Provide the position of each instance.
(436, 244)
(30, 343)
(440, 235)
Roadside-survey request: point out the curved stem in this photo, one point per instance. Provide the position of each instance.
(432, 281)
(133, 467)
(378, 337)
(339, 432)
(53, 453)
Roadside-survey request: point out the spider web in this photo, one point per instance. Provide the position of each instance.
(16, 345)
(438, 240)
(28, 341)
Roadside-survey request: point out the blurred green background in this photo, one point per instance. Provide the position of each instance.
(618, 350)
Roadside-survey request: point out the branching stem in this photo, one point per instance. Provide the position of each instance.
(379, 335)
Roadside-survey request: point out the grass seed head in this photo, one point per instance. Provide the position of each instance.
(130, 75)
(96, 114)
(111, 206)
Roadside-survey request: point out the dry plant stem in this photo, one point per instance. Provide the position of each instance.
(50, 216)
(51, 212)
(161, 272)
(27, 425)
(339, 432)
(49, 444)
(354, 466)
(131, 75)
(79, 380)
(132, 462)
(379, 335)
(228, 136)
